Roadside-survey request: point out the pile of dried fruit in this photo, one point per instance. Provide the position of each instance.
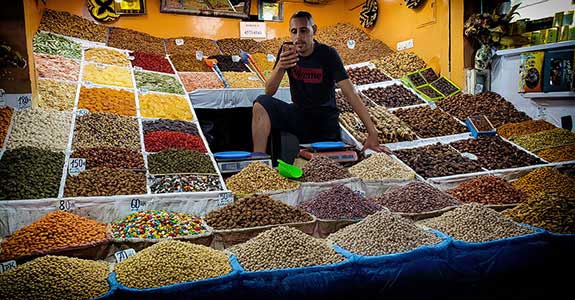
(488, 190)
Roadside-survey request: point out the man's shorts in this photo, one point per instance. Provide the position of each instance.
(309, 126)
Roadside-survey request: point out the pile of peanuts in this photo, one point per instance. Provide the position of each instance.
(56, 67)
(165, 106)
(191, 45)
(200, 80)
(136, 41)
(243, 80)
(107, 56)
(56, 94)
(107, 75)
(43, 128)
(65, 23)
(54, 230)
(108, 100)
(399, 64)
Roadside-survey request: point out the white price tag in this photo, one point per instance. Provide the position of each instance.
(82, 111)
(351, 44)
(7, 266)
(137, 204)
(271, 57)
(2, 98)
(236, 58)
(131, 57)
(179, 42)
(143, 90)
(76, 166)
(225, 199)
(66, 205)
(24, 102)
(432, 105)
(360, 193)
(469, 155)
(199, 55)
(124, 254)
(253, 78)
(138, 68)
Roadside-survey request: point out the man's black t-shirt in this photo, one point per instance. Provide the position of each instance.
(312, 80)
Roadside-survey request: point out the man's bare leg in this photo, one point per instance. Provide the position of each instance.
(261, 126)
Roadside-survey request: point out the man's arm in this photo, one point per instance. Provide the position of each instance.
(273, 83)
(352, 97)
(287, 58)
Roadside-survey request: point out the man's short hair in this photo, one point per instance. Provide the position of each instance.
(303, 14)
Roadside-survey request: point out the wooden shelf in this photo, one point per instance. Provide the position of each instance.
(517, 51)
(550, 95)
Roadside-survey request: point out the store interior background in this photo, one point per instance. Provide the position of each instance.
(436, 29)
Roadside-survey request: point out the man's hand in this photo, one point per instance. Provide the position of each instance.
(373, 143)
(288, 57)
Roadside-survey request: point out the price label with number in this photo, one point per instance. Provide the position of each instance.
(124, 254)
(236, 58)
(7, 266)
(24, 102)
(82, 111)
(199, 55)
(179, 42)
(137, 204)
(271, 57)
(351, 44)
(76, 166)
(66, 205)
(225, 199)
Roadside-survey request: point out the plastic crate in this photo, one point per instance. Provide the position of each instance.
(430, 93)
(454, 88)
(472, 121)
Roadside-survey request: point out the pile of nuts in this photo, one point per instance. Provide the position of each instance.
(107, 75)
(169, 125)
(157, 224)
(475, 223)
(42, 128)
(187, 63)
(284, 247)
(53, 231)
(382, 233)
(427, 122)
(227, 64)
(523, 128)
(163, 140)
(30, 173)
(243, 80)
(184, 183)
(56, 278)
(550, 211)
(392, 96)
(272, 46)
(254, 211)
(258, 177)
(65, 23)
(340, 33)
(165, 106)
(366, 75)
(200, 80)
(399, 64)
(152, 62)
(494, 153)
(110, 157)
(339, 203)
(343, 104)
(105, 182)
(545, 180)
(180, 161)
(108, 100)
(416, 197)
(390, 128)
(172, 262)
(556, 154)
(363, 51)
(48, 43)
(56, 94)
(322, 168)
(191, 45)
(147, 81)
(135, 40)
(106, 130)
(107, 56)
(380, 166)
(545, 139)
(56, 67)
(490, 104)
(232, 46)
(437, 161)
(488, 190)
(5, 120)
